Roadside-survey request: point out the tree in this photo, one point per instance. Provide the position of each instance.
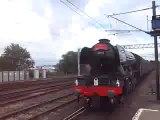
(15, 58)
(69, 63)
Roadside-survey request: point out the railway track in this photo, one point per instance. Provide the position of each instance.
(40, 109)
(76, 113)
(26, 84)
(33, 94)
(18, 92)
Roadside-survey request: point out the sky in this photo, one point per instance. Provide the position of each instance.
(49, 28)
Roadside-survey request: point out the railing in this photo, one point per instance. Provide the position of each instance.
(8, 76)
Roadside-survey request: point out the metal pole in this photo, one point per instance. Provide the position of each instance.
(147, 24)
(78, 62)
(156, 54)
(19, 75)
(14, 76)
(8, 75)
(2, 77)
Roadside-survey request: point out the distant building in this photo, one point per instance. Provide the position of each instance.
(49, 68)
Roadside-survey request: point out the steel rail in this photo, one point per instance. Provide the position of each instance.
(30, 107)
(5, 94)
(44, 92)
(76, 113)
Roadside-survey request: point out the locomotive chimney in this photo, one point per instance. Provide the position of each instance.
(104, 41)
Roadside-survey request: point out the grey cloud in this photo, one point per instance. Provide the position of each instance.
(61, 22)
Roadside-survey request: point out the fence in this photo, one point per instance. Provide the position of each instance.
(7, 76)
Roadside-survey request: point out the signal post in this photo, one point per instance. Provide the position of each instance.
(156, 32)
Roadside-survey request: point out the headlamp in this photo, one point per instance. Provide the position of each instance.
(95, 81)
(76, 82)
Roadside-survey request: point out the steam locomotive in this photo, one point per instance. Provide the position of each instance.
(108, 73)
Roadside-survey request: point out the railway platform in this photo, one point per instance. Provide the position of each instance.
(152, 109)
(141, 104)
(146, 114)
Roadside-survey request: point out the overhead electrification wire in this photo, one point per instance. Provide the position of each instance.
(119, 33)
(131, 11)
(85, 13)
(128, 13)
(70, 7)
(122, 30)
(129, 25)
